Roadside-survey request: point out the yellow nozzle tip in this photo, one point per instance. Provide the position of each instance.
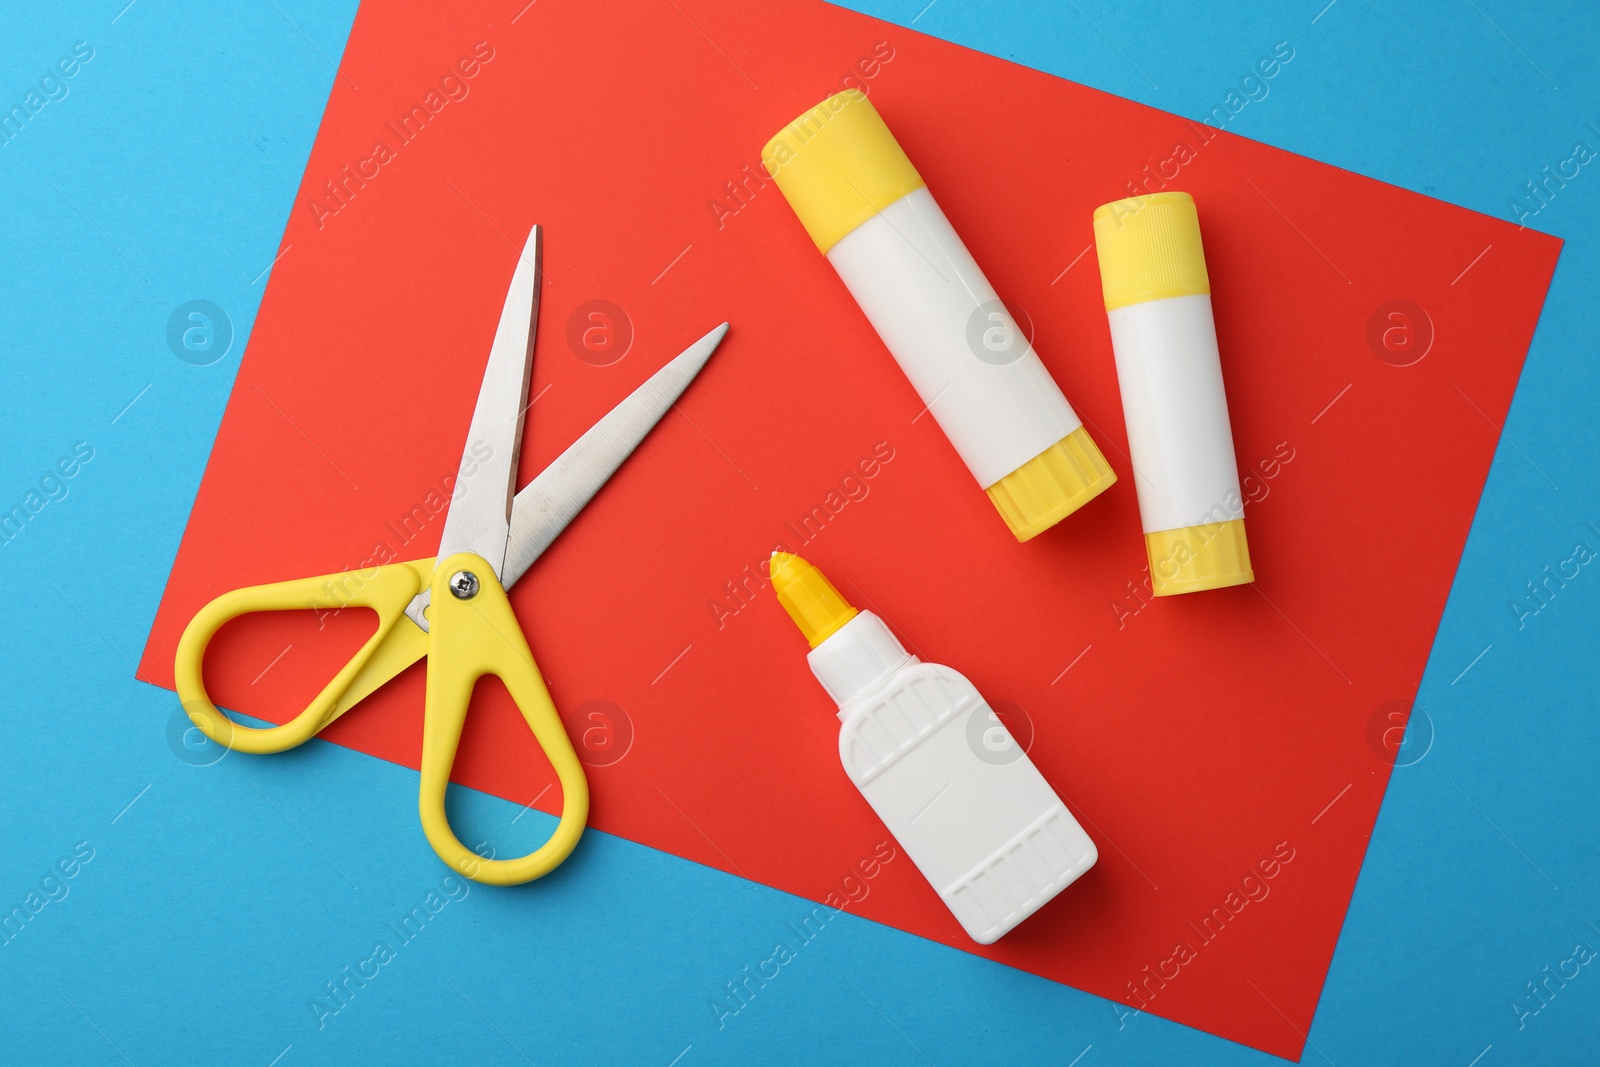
(816, 607)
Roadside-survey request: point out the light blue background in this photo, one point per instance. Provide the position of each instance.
(168, 173)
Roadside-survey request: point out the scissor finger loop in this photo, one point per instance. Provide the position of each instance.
(386, 590)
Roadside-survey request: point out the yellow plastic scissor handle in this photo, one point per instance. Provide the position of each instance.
(471, 638)
(395, 645)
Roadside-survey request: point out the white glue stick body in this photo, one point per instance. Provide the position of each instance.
(937, 765)
(869, 212)
(1158, 299)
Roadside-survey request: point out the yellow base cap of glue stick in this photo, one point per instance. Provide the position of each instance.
(1052, 485)
(1209, 556)
(810, 599)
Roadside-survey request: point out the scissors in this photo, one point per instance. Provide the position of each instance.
(453, 608)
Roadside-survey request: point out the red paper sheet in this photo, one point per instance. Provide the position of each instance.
(1201, 739)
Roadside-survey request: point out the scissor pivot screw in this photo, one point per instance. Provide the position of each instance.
(464, 585)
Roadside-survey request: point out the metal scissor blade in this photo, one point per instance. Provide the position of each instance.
(480, 515)
(547, 504)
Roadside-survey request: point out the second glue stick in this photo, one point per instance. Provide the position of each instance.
(1158, 298)
(867, 209)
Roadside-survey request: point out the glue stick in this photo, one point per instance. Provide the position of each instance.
(1158, 298)
(936, 764)
(867, 209)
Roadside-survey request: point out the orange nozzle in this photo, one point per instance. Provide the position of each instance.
(809, 598)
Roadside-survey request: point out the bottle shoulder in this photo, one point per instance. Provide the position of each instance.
(886, 724)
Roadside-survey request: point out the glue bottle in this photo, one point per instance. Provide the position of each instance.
(937, 765)
(867, 209)
(1158, 298)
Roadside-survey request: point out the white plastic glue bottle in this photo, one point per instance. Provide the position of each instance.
(867, 209)
(937, 765)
